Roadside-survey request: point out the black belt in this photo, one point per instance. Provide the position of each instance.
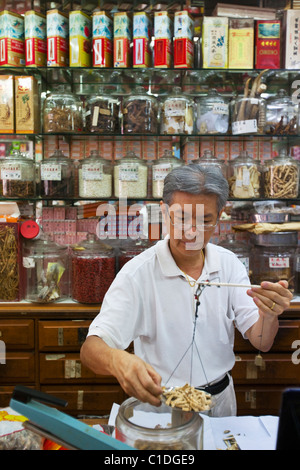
(216, 388)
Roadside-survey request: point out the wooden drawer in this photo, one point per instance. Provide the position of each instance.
(67, 368)
(19, 368)
(17, 334)
(288, 332)
(258, 400)
(62, 335)
(86, 399)
(276, 369)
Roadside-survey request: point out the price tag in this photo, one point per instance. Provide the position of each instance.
(11, 172)
(220, 108)
(129, 172)
(50, 172)
(244, 127)
(279, 263)
(92, 172)
(161, 171)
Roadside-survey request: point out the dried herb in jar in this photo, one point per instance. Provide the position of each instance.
(9, 267)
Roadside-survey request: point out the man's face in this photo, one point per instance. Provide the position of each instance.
(191, 222)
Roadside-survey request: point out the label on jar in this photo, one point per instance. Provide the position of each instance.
(279, 262)
(298, 264)
(92, 172)
(245, 262)
(175, 108)
(244, 127)
(129, 172)
(161, 171)
(28, 262)
(220, 108)
(11, 172)
(50, 172)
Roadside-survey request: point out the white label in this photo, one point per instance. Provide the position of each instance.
(95, 116)
(220, 108)
(92, 172)
(244, 127)
(246, 177)
(279, 262)
(28, 262)
(11, 172)
(129, 172)
(175, 108)
(161, 171)
(245, 262)
(51, 172)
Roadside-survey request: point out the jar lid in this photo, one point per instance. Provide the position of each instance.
(282, 159)
(16, 155)
(95, 157)
(30, 229)
(212, 96)
(208, 159)
(244, 158)
(58, 156)
(92, 245)
(129, 157)
(167, 157)
(44, 246)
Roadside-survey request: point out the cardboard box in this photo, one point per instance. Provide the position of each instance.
(57, 38)
(80, 33)
(183, 40)
(267, 44)
(215, 42)
(12, 44)
(141, 40)
(241, 43)
(122, 38)
(163, 33)
(291, 38)
(102, 40)
(27, 109)
(35, 39)
(7, 104)
(244, 11)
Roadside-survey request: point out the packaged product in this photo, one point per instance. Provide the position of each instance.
(80, 25)
(27, 109)
(102, 39)
(267, 44)
(11, 39)
(57, 38)
(141, 40)
(13, 435)
(291, 38)
(163, 33)
(215, 42)
(7, 105)
(241, 43)
(35, 39)
(122, 38)
(183, 40)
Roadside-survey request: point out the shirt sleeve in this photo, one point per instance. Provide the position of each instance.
(120, 319)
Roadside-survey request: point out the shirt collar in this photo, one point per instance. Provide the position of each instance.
(169, 267)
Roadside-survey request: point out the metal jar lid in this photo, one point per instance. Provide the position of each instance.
(275, 239)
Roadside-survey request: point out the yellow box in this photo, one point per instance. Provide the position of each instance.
(27, 109)
(80, 25)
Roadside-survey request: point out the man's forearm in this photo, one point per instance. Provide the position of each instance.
(97, 355)
(263, 332)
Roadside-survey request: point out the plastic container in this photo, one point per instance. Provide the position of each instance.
(281, 177)
(56, 176)
(177, 113)
(173, 430)
(130, 177)
(160, 169)
(93, 270)
(62, 112)
(212, 114)
(46, 271)
(273, 257)
(240, 248)
(248, 115)
(208, 159)
(17, 176)
(95, 177)
(102, 114)
(140, 113)
(282, 115)
(244, 177)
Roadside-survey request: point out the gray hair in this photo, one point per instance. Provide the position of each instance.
(196, 179)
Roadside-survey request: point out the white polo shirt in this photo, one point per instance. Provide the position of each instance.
(151, 303)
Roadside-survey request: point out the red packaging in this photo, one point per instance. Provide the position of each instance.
(267, 44)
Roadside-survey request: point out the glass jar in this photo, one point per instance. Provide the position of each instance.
(57, 176)
(297, 272)
(273, 257)
(244, 177)
(95, 176)
(130, 249)
(130, 177)
(282, 115)
(140, 113)
(46, 270)
(102, 114)
(238, 247)
(212, 114)
(177, 113)
(281, 177)
(17, 176)
(62, 112)
(208, 159)
(248, 115)
(93, 270)
(160, 169)
(168, 432)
